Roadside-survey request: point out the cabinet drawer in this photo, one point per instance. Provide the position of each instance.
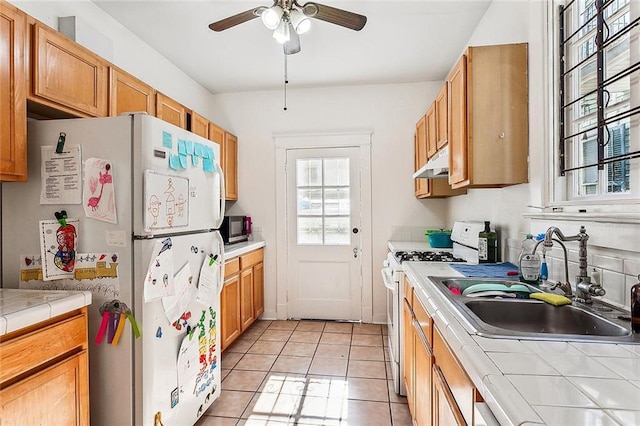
(231, 267)
(251, 258)
(456, 378)
(32, 349)
(424, 321)
(407, 292)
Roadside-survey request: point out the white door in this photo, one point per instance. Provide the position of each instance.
(323, 234)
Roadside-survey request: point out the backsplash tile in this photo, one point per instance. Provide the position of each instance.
(607, 262)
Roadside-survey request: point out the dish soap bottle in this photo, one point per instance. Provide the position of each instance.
(635, 307)
(529, 262)
(487, 245)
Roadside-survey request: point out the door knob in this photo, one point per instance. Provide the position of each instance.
(355, 252)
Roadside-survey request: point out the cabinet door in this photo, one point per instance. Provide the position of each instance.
(421, 185)
(170, 111)
(13, 110)
(230, 311)
(199, 125)
(423, 367)
(68, 74)
(442, 117)
(246, 299)
(58, 395)
(230, 165)
(445, 409)
(128, 94)
(408, 349)
(458, 149)
(432, 133)
(258, 290)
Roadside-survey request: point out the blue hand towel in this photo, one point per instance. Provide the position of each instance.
(487, 270)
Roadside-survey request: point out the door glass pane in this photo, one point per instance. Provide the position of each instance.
(336, 231)
(309, 172)
(309, 230)
(323, 201)
(336, 171)
(309, 202)
(337, 201)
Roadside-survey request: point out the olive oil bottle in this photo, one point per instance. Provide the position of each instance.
(487, 245)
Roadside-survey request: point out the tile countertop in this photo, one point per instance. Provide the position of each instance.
(22, 308)
(527, 382)
(238, 249)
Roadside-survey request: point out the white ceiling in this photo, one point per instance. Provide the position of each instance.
(403, 41)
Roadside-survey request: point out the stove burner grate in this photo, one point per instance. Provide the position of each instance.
(426, 256)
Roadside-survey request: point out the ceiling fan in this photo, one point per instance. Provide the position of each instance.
(288, 19)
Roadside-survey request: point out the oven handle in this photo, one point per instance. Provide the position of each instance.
(386, 278)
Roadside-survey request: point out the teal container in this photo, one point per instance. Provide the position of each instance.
(439, 238)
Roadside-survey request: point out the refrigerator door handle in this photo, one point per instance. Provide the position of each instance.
(223, 197)
(221, 261)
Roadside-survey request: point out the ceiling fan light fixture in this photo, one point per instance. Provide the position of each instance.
(272, 17)
(300, 22)
(282, 33)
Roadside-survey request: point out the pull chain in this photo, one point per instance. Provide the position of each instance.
(286, 81)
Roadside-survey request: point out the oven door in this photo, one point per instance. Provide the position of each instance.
(392, 281)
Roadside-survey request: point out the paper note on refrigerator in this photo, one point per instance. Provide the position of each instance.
(58, 247)
(208, 281)
(98, 194)
(185, 292)
(159, 280)
(60, 175)
(188, 361)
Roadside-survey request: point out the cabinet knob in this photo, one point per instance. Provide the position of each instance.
(501, 135)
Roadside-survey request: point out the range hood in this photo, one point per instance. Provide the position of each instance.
(437, 167)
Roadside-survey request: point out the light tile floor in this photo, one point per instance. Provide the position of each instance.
(308, 373)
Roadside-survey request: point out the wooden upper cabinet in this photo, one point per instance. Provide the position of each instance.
(67, 74)
(13, 112)
(216, 134)
(458, 151)
(421, 185)
(128, 94)
(442, 117)
(230, 165)
(432, 137)
(171, 111)
(199, 125)
(488, 117)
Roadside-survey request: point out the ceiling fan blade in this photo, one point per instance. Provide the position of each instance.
(236, 19)
(293, 45)
(334, 15)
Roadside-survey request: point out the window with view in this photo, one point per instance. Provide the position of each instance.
(324, 203)
(599, 99)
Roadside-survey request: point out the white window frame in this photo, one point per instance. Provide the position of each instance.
(556, 201)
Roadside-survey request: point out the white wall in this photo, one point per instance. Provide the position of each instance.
(389, 111)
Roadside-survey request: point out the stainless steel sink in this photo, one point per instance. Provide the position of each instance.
(529, 319)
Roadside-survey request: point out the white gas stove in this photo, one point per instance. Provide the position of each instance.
(465, 250)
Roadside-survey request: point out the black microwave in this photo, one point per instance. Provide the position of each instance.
(234, 229)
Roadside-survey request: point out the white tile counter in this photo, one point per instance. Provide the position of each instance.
(528, 382)
(238, 249)
(22, 308)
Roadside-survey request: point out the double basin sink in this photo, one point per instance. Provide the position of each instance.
(522, 318)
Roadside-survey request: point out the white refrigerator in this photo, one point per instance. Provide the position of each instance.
(151, 196)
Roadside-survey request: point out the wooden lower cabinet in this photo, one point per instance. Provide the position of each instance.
(45, 373)
(242, 297)
(445, 409)
(230, 327)
(439, 392)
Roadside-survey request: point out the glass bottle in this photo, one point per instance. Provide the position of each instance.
(635, 307)
(487, 245)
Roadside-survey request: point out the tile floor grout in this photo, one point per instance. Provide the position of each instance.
(257, 392)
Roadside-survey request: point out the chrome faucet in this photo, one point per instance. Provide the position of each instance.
(584, 287)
